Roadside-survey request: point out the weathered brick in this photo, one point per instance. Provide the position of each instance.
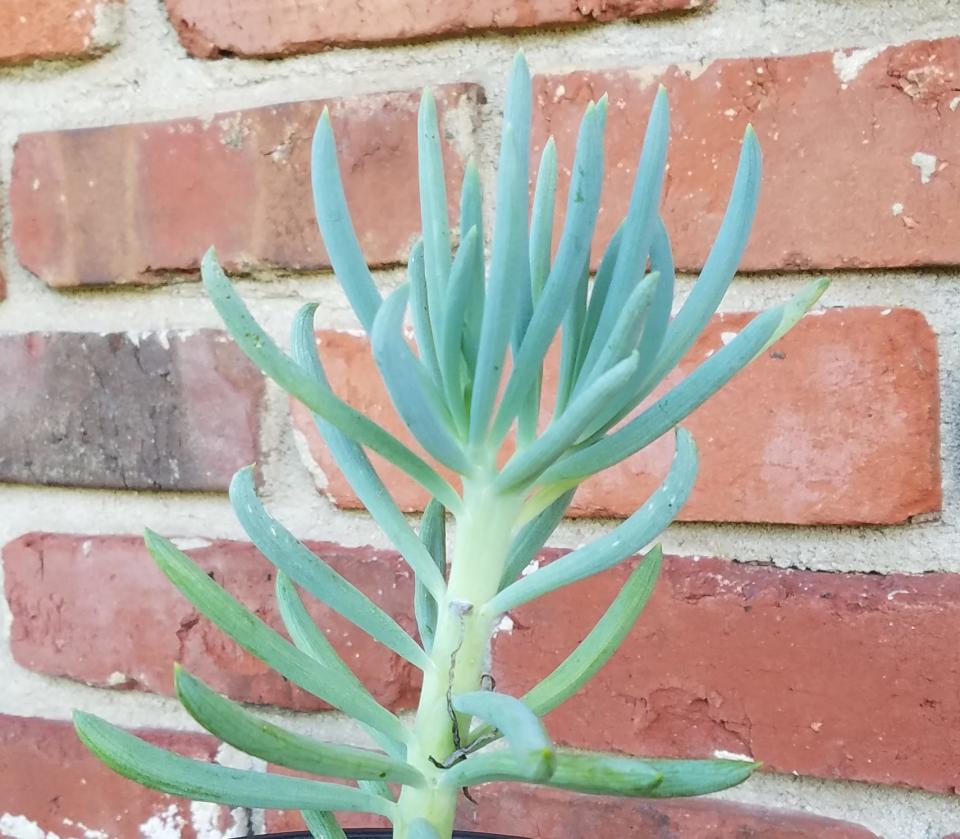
(546, 814)
(133, 203)
(537, 813)
(54, 787)
(849, 399)
(98, 610)
(851, 676)
(856, 147)
(214, 28)
(168, 411)
(46, 29)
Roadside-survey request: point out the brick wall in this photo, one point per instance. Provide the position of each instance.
(810, 609)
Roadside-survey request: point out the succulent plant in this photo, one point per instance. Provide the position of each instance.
(470, 413)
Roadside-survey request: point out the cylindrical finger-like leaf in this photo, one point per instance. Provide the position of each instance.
(471, 216)
(433, 534)
(316, 395)
(235, 725)
(594, 773)
(692, 392)
(159, 769)
(339, 237)
(322, 824)
(621, 542)
(532, 537)
(294, 558)
(531, 747)
(541, 219)
(510, 250)
(251, 633)
(526, 465)
(420, 312)
(415, 397)
(358, 470)
(433, 211)
(582, 207)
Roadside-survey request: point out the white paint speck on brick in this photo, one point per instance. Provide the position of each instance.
(168, 824)
(849, 63)
(20, 827)
(926, 163)
(897, 208)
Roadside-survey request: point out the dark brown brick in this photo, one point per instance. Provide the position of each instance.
(166, 411)
(133, 203)
(845, 148)
(849, 399)
(213, 28)
(53, 786)
(98, 610)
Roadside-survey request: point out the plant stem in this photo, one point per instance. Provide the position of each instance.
(460, 652)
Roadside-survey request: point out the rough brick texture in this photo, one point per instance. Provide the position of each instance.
(212, 28)
(54, 787)
(837, 675)
(97, 609)
(42, 29)
(132, 203)
(170, 411)
(848, 400)
(533, 813)
(817, 673)
(856, 152)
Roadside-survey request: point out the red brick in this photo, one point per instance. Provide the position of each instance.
(213, 28)
(98, 610)
(52, 785)
(45, 29)
(852, 676)
(849, 676)
(840, 188)
(547, 814)
(849, 399)
(133, 203)
(167, 411)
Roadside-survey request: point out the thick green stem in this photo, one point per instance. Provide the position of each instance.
(460, 652)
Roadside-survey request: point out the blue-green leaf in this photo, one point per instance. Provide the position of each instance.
(583, 204)
(308, 638)
(471, 215)
(433, 211)
(603, 641)
(235, 725)
(295, 559)
(416, 399)
(466, 274)
(358, 470)
(339, 237)
(593, 773)
(692, 392)
(639, 224)
(433, 534)
(721, 263)
(532, 537)
(311, 391)
(159, 769)
(256, 637)
(596, 649)
(528, 464)
(322, 825)
(623, 338)
(532, 749)
(570, 343)
(541, 219)
(420, 312)
(510, 250)
(624, 540)
(598, 295)
(683, 778)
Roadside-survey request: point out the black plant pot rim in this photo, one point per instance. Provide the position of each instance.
(382, 833)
